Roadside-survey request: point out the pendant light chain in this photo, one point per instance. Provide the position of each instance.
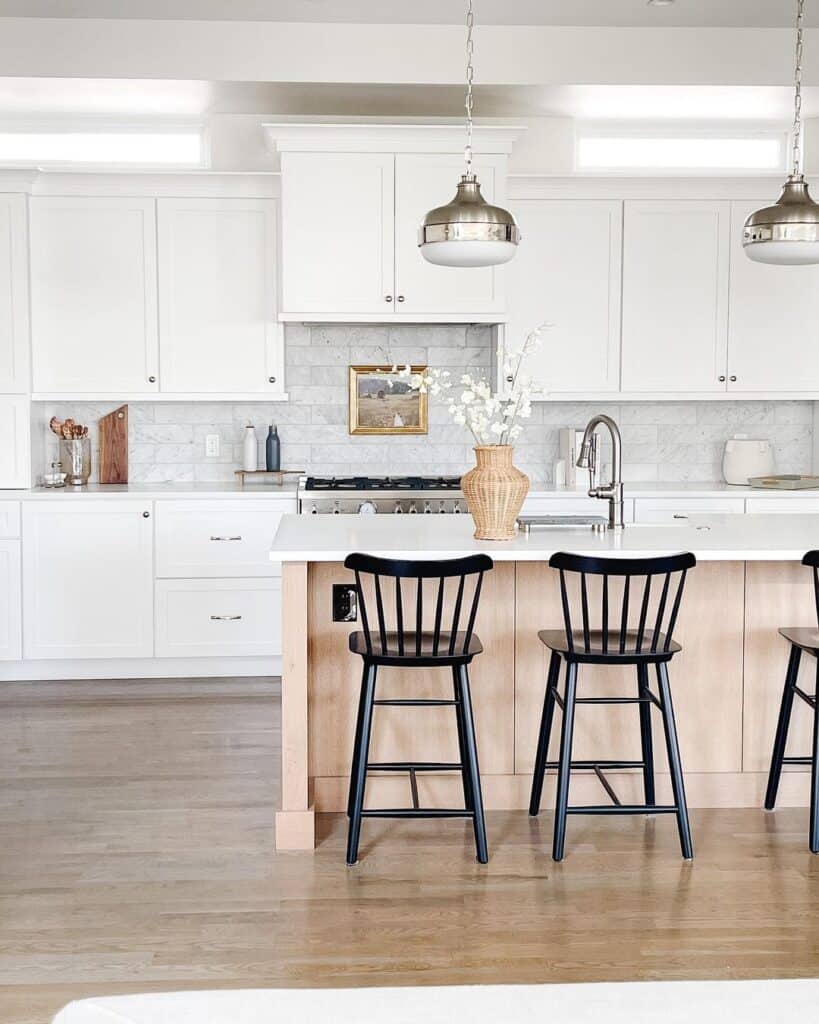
(470, 49)
(797, 102)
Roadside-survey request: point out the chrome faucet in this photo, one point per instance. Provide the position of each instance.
(613, 491)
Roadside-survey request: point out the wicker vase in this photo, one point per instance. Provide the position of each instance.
(494, 492)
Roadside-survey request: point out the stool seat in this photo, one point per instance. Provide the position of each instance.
(806, 638)
(594, 650)
(422, 649)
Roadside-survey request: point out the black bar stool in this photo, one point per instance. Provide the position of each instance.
(418, 648)
(614, 643)
(801, 639)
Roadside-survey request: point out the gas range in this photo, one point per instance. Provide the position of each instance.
(366, 495)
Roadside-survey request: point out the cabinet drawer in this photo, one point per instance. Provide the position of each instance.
(666, 510)
(218, 618)
(791, 504)
(9, 518)
(218, 538)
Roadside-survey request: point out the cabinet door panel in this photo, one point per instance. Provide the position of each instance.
(88, 588)
(10, 601)
(15, 452)
(14, 326)
(217, 295)
(675, 295)
(773, 316)
(93, 295)
(338, 232)
(422, 182)
(567, 274)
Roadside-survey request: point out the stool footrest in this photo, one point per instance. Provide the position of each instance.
(417, 812)
(806, 697)
(797, 760)
(409, 703)
(592, 765)
(623, 809)
(414, 766)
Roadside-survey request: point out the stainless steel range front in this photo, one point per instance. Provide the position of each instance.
(367, 495)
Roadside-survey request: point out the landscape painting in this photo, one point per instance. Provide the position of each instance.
(382, 402)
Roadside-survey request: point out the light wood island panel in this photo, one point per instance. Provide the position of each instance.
(726, 685)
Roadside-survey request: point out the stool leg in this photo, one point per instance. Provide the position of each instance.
(468, 802)
(360, 777)
(544, 734)
(814, 774)
(674, 762)
(468, 725)
(785, 709)
(645, 737)
(565, 766)
(356, 746)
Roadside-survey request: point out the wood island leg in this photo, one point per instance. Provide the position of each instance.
(295, 822)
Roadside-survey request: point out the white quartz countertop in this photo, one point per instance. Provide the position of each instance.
(153, 491)
(717, 538)
(685, 489)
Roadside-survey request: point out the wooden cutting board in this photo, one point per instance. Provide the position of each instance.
(114, 447)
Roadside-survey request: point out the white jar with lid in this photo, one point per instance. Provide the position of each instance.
(745, 457)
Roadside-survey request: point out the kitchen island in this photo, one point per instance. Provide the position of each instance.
(727, 681)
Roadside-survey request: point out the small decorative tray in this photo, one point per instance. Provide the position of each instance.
(785, 482)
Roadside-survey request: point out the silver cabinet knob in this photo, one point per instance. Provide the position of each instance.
(510, 379)
(400, 298)
(146, 515)
(388, 298)
(722, 379)
(152, 379)
(732, 379)
(271, 380)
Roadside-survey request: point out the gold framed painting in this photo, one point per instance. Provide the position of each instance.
(381, 402)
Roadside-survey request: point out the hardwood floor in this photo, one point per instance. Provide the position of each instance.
(136, 854)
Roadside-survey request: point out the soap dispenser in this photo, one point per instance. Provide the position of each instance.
(250, 450)
(273, 456)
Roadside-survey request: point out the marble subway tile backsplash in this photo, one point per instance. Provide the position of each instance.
(665, 442)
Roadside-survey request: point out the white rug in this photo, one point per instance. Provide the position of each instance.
(670, 1002)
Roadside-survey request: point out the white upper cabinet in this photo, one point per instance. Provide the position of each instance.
(14, 326)
(567, 274)
(422, 182)
(774, 313)
(94, 295)
(338, 233)
(675, 296)
(217, 296)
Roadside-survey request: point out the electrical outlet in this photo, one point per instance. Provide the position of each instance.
(212, 446)
(345, 603)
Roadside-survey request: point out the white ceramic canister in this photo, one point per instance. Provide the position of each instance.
(745, 457)
(250, 450)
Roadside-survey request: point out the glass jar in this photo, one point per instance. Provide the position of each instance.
(75, 456)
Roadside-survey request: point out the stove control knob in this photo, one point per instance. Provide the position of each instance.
(457, 508)
(442, 509)
(398, 510)
(336, 509)
(427, 508)
(413, 509)
(367, 508)
(314, 511)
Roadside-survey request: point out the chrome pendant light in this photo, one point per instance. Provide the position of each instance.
(468, 231)
(788, 233)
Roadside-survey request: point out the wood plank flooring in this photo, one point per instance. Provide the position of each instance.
(136, 854)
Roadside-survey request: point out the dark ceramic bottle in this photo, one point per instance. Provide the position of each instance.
(273, 455)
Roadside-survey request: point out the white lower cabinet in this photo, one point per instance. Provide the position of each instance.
(10, 601)
(670, 510)
(196, 618)
(792, 505)
(567, 503)
(88, 589)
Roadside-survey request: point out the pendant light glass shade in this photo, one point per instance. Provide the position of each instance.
(468, 231)
(787, 233)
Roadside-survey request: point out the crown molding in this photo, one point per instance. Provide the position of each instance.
(391, 138)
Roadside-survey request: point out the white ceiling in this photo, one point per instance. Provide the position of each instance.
(631, 13)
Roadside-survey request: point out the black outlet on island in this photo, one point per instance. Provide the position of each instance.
(345, 602)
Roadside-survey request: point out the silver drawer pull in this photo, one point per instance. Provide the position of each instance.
(226, 538)
(225, 618)
(678, 515)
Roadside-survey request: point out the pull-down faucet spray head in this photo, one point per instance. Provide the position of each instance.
(584, 458)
